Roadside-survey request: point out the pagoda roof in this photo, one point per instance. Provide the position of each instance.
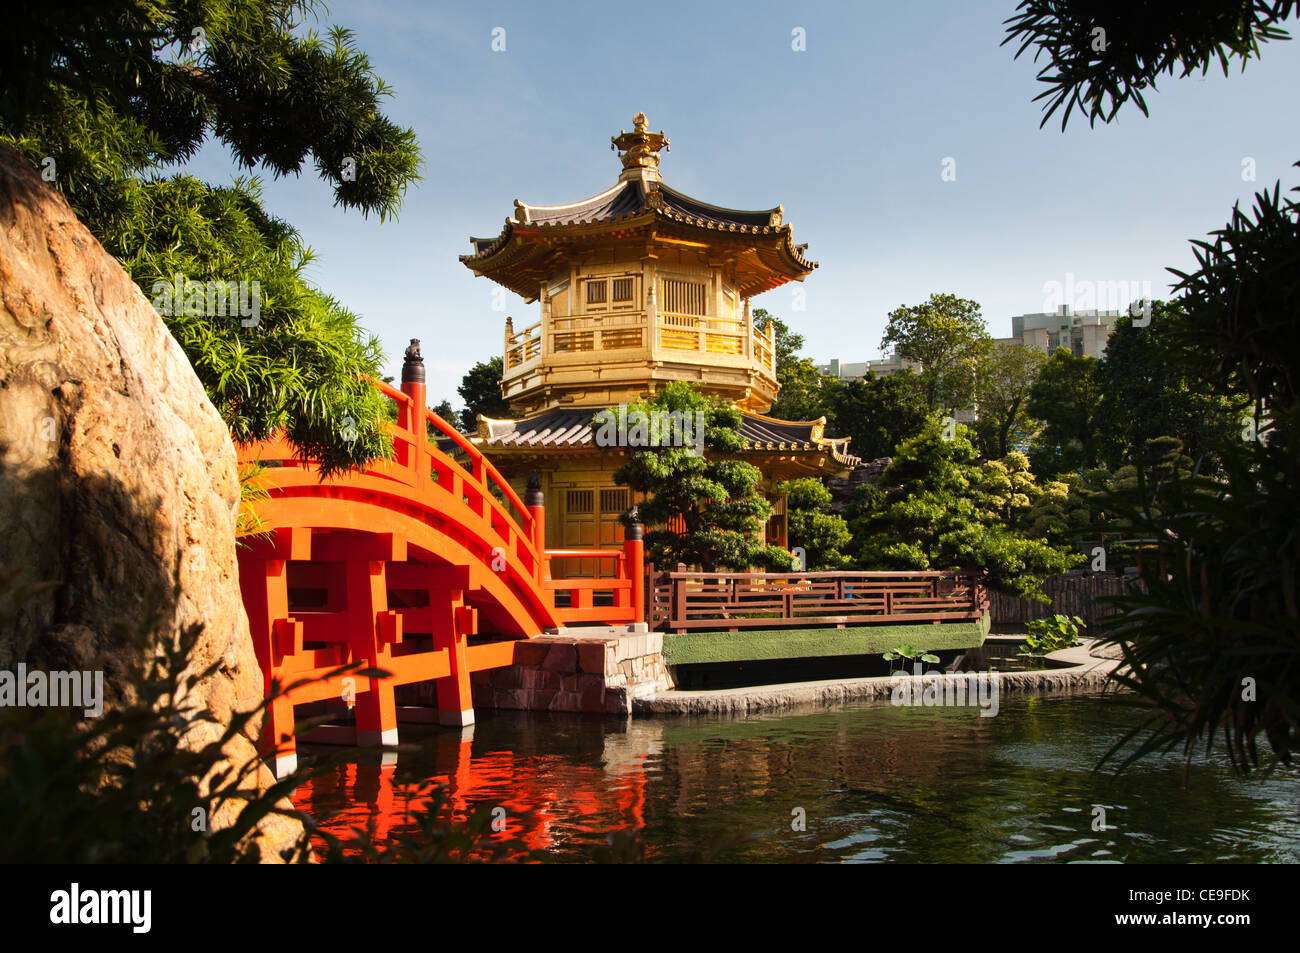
(570, 428)
(628, 199)
(639, 203)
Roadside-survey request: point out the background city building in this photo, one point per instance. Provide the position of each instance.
(1083, 333)
(856, 370)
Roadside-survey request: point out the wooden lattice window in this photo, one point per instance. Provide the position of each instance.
(580, 501)
(610, 294)
(684, 297)
(613, 501)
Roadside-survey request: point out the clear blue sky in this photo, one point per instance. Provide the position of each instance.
(849, 135)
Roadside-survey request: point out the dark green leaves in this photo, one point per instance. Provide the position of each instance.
(1102, 54)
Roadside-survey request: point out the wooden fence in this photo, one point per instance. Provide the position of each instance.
(679, 601)
(1071, 595)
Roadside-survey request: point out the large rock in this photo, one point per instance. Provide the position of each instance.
(118, 478)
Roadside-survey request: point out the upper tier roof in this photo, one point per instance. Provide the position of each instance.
(640, 201)
(628, 199)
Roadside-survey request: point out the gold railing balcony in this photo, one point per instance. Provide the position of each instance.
(700, 333)
(669, 336)
(522, 346)
(612, 331)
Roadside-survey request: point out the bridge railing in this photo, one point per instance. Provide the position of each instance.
(421, 464)
(680, 601)
(614, 600)
(481, 471)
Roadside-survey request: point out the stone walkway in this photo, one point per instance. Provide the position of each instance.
(1084, 672)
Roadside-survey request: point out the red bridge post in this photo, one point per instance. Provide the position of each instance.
(634, 560)
(535, 500)
(263, 584)
(367, 595)
(411, 416)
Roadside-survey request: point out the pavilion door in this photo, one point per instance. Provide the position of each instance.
(590, 520)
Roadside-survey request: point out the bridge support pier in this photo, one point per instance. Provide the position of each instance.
(264, 586)
(367, 582)
(453, 621)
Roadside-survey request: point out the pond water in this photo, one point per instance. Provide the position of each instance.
(871, 782)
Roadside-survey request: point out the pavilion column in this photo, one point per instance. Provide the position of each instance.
(651, 308)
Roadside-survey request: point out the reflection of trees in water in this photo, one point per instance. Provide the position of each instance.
(943, 785)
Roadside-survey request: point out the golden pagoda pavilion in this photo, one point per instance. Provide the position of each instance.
(638, 286)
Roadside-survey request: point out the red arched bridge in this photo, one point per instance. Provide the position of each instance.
(427, 566)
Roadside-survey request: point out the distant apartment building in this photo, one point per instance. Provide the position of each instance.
(1080, 332)
(855, 371)
(850, 371)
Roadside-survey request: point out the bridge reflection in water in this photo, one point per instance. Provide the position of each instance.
(551, 803)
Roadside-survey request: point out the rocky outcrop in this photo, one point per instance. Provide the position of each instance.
(118, 478)
(844, 489)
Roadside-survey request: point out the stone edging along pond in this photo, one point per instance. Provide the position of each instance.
(1078, 671)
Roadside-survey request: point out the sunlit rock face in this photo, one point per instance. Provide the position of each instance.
(118, 479)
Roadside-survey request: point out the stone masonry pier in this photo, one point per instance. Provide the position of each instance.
(595, 669)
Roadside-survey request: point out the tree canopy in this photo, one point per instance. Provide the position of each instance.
(108, 99)
(1212, 642)
(800, 396)
(480, 389)
(823, 536)
(1101, 54)
(939, 507)
(947, 337)
(1145, 391)
(1004, 378)
(876, 413)
(1065, 397)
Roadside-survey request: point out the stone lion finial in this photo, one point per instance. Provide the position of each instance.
(413, 366)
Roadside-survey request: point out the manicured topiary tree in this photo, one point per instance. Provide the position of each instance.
(705, 507)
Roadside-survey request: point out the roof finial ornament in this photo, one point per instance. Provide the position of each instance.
(639, 149)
